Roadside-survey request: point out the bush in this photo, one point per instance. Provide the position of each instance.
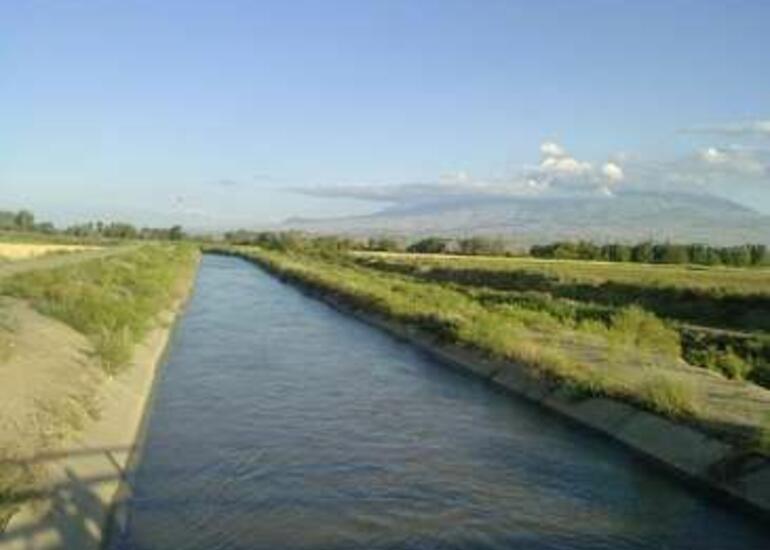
(430, 245)
(733, 365)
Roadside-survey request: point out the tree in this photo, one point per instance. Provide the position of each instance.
(175, 233)
(429, 245)
(482, 245)
(24, 220)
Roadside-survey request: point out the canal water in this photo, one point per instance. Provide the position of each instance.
(281, 423)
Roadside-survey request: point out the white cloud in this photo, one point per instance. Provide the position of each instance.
(551, 149)
(613, 172)
(738, 161)
(565, 165)
(558, 174)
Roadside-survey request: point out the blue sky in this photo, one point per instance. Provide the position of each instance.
(215, 113)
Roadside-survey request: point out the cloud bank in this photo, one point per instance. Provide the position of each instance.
(712, 169)
(557, 173)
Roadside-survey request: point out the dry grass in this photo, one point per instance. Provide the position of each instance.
(23, 251)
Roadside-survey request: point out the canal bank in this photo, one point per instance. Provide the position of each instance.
(280, 422)
(85, 476)
(698, 458)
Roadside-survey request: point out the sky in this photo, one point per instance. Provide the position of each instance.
(229, 113)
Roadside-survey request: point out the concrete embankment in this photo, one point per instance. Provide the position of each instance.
(698, 458)
(86, 475)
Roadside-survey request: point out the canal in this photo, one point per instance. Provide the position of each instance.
(281, 423)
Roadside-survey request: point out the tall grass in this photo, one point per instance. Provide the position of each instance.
(669, 395)
(722, 315)
(112, 300)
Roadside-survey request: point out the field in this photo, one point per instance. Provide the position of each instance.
(21, 251)
(621, 350)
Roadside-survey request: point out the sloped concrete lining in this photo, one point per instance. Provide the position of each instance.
(87, 476)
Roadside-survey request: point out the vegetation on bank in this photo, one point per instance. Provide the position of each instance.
(722, 315)
(628, 354)
(112, 300)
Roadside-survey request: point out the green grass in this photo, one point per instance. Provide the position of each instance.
(112, 300)
(722, 314)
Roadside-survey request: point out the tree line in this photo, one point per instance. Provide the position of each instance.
(298, 240)
(646, 252)
(24, 221)
(657, 253)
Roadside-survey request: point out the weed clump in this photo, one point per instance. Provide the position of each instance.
(667, 395)
(633, 327)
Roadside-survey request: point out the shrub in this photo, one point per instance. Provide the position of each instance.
(732, 364)
(113, 348)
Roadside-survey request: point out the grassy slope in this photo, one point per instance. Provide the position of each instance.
(112, 299)
(722, 314)
(632, 355)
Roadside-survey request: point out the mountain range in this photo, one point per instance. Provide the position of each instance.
(626, 216)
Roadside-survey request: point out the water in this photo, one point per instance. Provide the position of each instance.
(280, 423)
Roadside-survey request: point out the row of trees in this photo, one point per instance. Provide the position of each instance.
(24, 221)
(646, 252)
(297, 240)
(122, 230)
(662, 253)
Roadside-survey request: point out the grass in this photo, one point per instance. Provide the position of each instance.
(669, 396)
(712, 280)
(112, 300)
(722, 315)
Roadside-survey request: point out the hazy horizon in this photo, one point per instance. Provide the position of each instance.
(220, 115)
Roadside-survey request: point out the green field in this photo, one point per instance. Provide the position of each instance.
(721, 314)
(621, 350)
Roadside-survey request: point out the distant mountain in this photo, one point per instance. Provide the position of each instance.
(628, 216)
